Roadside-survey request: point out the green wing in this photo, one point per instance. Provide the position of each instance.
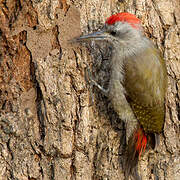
(145, 84)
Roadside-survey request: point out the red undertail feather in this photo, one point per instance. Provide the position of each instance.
(124, 17)
(140, 141)
(136, 146)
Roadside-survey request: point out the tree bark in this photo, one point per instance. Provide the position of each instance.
(53, 123)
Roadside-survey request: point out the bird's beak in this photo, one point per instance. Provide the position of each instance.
(100, 35)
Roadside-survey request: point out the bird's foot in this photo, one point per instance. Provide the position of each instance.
(92, 82)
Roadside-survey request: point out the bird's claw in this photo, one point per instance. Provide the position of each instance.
(92, 82)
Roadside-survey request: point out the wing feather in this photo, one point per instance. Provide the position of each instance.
(145, 83)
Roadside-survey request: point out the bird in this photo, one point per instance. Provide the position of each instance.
(137, 85)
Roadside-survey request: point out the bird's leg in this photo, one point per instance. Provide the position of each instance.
(91, 80)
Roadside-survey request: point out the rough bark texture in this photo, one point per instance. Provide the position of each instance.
(53, 125)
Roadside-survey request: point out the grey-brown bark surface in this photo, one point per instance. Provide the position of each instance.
(53, 125)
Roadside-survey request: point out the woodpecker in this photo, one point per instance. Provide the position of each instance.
(137, 85)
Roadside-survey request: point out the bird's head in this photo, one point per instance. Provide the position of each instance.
(119, 28)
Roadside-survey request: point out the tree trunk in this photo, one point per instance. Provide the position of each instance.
(53, 124)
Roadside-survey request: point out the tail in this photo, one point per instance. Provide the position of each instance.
(136, 146)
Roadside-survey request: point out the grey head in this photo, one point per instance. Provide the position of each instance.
(123, 31)
(119, 33)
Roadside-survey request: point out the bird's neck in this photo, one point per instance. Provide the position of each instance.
(131, 48)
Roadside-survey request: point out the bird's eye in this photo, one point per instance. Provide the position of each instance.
(113, 33)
